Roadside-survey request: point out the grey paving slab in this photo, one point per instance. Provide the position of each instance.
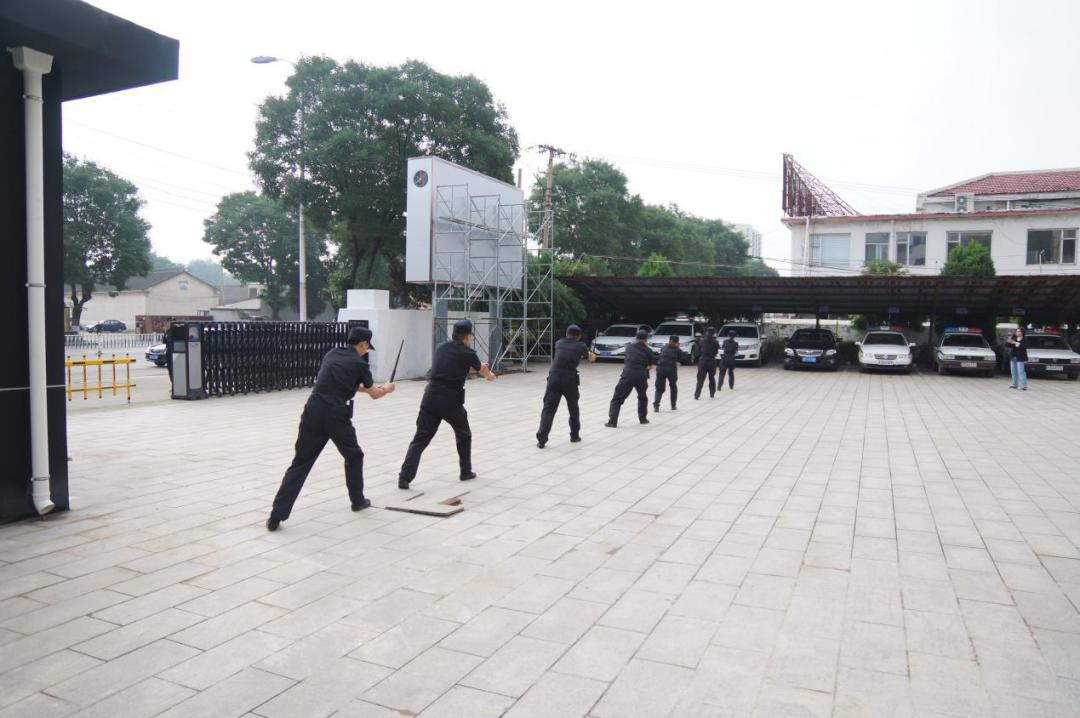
(841, 544)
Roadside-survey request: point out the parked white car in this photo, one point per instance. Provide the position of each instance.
(1049, 354)
(964, 349)
(885, 349)
(688, 332)
(611, 343)
(753, 343)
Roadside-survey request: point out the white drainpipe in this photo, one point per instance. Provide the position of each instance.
(33, 65)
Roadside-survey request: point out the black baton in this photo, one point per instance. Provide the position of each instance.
(394, 372)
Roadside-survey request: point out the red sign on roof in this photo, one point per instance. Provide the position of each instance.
(1016, 183)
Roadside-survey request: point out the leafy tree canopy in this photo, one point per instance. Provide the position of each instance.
(256, 238)
(211, 272)
(883, 267)
(969, 260)
(657, 265)
(105, 239)
(360, 125)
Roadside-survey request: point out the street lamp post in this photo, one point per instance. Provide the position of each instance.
(266, 60)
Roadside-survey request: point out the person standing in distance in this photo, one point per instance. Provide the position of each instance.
(729, 349)
(707, 351)
(327, 416)
(1017, 348)
(444, 400)
(667, 371)
(563, 381)
(634, 377)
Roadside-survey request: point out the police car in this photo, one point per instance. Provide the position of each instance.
(1049, 354)
(753, 344)
(964, 349)
(885, 348)
(688, 332)
(611, 343)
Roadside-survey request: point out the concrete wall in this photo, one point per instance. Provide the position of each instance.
(390, 327)
(124, 306)
(169, 297)
(1008, 245)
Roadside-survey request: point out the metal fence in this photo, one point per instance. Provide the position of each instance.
(245, 357)
(107, 342)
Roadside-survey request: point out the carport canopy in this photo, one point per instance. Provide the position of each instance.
(1050, 297)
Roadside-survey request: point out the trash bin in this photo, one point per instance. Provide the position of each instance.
(187, 373)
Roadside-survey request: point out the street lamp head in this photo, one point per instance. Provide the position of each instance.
(264, 59)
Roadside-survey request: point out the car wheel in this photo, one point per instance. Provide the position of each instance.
(787, 367)
(1074, 377)
(759, 362)
(941, 369)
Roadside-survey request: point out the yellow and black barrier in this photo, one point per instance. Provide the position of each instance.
(104, 365)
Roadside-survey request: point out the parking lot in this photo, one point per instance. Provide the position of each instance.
(821, 544)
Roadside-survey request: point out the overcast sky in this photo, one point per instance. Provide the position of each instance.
(695, 103)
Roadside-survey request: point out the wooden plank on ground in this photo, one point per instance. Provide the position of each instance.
(426, 508)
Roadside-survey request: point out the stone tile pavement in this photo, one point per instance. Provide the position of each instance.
(810, 544)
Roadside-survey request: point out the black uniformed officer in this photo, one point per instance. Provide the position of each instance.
(708, 348)
(562, 382)
(444, 400)
(634, 377)
(730, 348)
(667, 371)
(327, 416)
(167, 341)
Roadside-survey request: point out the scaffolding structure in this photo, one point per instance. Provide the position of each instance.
(805, 195)
(488, 266)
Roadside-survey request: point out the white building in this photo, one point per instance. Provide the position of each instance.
(1028, 221)
(169, 293)
(752, 237)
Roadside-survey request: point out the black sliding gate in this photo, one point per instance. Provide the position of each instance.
(245, 357)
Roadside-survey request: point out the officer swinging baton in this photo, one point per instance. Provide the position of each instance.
(394, 372)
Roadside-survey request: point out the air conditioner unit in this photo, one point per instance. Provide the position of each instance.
(965, 202)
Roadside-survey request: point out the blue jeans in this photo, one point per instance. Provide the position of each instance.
(1019, 373)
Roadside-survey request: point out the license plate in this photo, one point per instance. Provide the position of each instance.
(152, 357)
(1055, 368)
(968, 365)
(603, 354)
(809, 360)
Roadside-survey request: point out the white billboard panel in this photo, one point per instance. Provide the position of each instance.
(462, 227)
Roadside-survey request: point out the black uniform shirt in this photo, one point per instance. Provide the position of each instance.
(638, 359)
(670, 357)
(708, 346)
(451, 365)
(341, 371)
(731, 348)
(568, 354)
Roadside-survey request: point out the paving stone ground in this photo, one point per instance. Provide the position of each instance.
(809, 544)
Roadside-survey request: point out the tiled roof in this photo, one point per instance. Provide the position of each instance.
(1067, 180)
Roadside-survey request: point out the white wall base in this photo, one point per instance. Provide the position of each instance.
(390, 327)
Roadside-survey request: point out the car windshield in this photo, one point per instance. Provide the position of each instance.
(620, 331)
(740, 332)
(885, 338)
(965, 340)
(682, 330)
(1046, 343)
(813, 339)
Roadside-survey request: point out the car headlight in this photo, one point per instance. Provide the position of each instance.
(830, 352)
(948, 357)
(789, 352)
(1075, 360)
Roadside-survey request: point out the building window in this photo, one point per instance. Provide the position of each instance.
(1051, 246)
(911, 249)
(830, 250)
(183, 285)
(961, 239)
(877, 246)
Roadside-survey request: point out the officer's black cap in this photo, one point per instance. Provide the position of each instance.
(462, 327)
(573, 330)
(642, 334)
(710, 331)
(361, 334)
(733, 334)
(673, 339)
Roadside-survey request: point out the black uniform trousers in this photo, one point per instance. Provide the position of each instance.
(439, 405)
(560, 385)
(321, 422)
(627, 384)
(706, 369)
(666, 377)
(727, 367)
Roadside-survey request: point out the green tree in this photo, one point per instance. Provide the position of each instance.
(969, 260)
(211, 272)
(105, 239)
(361, 124)
(883, 268)
(657, 265)
(159, 263)
(256, 238)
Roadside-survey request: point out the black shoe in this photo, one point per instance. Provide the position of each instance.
(403, 483)
(468, 476)
(656, 407)
(540, 444)
(673, 407)
(364, 503)
(696, 397)
(575, 439)
(644, 421)
(611, 425)
(272, 524)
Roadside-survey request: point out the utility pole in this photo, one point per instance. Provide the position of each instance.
(552, 153)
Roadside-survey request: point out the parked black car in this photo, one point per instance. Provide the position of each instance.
(107, 325)
(812, 349)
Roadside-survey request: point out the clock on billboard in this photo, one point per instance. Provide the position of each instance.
(420, 178)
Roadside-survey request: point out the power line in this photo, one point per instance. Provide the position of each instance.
(162, 150)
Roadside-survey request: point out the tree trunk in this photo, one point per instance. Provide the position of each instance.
(355, 259)
(77, 305)
(375, 246)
